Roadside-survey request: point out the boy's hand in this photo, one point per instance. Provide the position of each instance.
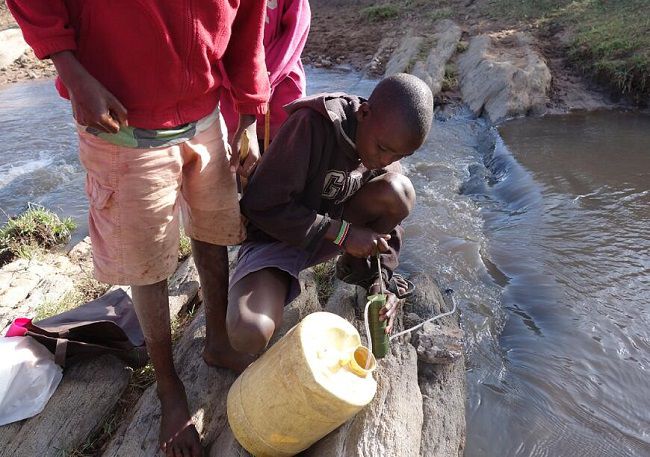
(390, 309)
(245, 165)
(92, 104)
(362, 242)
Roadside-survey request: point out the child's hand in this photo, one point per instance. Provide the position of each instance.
(92, 104)
(362, 242)
(390, 309)
(244, 162)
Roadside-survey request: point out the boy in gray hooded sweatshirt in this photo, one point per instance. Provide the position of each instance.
(329, 183)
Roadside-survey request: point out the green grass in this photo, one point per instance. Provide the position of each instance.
(450, 80)
(324, 277)
(610, 38)
(30, 232)
(379, 13)
(441, 13)
(184, 246)
(612, 43)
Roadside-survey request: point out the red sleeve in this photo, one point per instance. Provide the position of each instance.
(45, 25)
(244, 59)
(283, 54)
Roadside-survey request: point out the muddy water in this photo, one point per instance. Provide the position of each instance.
(541, 229)
(567, 215)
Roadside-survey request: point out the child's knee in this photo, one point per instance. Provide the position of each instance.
(249, 332)
(399, 194)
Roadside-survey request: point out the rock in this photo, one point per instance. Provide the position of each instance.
(206, 389)
(437, 344)
(442, 386)
(226, 445)
(432, 71)
(391, 424)
(183, 287)
(25, 284)
(443, 409)
(502, 76)
(440, 429)
(12, 46)
(87, 394)
(405, 55)
(384, 51)
(89, 391)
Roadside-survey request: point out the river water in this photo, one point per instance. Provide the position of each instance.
(541, 229)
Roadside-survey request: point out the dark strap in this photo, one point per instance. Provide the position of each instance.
(59, 353)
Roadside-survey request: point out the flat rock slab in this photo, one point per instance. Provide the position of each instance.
(391, 424)
(206, 389)
(442, 385)
(503, 76)
(204, 386)
(12, 46)
(405, 55)
(432, 71)
(87, 394)
(26, 284)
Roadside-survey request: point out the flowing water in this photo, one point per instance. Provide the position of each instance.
(541, 229)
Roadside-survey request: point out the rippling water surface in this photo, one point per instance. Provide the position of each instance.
(541, 228)
(567, 217)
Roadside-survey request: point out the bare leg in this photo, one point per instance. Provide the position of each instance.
(212, 264)
(256, 304)
(178, 436)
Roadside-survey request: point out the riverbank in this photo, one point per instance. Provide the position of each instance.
(104, 408)
(592, 47)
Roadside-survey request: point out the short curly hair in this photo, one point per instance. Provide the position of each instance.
(409, 98)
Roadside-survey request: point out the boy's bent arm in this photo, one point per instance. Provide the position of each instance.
(45, 25)
(272, 201)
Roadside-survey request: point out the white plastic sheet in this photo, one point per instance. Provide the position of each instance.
(28, 378)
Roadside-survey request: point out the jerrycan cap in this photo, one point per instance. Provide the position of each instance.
(362, 361)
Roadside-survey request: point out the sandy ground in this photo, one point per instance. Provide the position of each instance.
(28, 66)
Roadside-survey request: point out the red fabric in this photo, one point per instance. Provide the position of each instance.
(285, 34)
(160, 58)
(18, 327)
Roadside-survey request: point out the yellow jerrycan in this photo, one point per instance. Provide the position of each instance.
(307, 384)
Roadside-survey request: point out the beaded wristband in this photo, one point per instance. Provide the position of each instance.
(343, 233)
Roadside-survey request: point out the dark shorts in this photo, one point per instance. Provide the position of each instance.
(254, 256)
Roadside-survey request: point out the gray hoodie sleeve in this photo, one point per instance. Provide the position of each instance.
(272, 199)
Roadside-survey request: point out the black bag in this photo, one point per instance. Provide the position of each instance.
(107, 325)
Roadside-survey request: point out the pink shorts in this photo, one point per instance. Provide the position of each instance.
(137, 195)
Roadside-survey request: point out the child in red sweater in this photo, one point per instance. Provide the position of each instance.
(143, 79)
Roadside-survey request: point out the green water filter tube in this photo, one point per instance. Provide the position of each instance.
(380, 340)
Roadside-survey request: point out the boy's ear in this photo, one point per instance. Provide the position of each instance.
(363, 112)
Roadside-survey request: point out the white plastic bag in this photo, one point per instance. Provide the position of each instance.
(28, 378)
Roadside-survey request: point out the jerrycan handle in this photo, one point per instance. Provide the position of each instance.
(361, 362)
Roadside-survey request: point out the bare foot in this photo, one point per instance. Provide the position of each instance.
(227, 357)
(178, 436)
